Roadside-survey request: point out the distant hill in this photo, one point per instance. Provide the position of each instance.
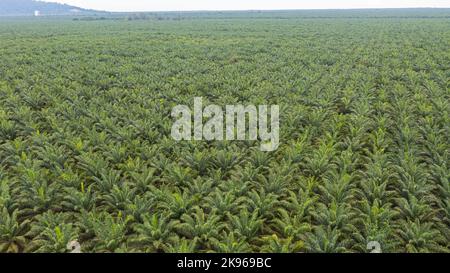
(29, 7)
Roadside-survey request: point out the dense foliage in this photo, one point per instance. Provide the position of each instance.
(86, 152)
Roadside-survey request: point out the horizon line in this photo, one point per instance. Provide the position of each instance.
(294, 9)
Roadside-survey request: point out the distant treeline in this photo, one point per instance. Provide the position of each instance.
(140, 16)
(355, 13)
(281, 14)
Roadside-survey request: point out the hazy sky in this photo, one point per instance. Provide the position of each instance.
(165, 5)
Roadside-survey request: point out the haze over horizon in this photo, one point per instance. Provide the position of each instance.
(187, 5)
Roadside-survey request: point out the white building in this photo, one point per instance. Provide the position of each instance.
(37, 13)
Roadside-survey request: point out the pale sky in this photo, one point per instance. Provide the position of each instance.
(176, 5)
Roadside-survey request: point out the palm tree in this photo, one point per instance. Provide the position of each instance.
(420, 237)
(328, 240)
(12, 232)
(229, 243)
(154, 234)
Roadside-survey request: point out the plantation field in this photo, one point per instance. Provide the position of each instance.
(86, 152)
